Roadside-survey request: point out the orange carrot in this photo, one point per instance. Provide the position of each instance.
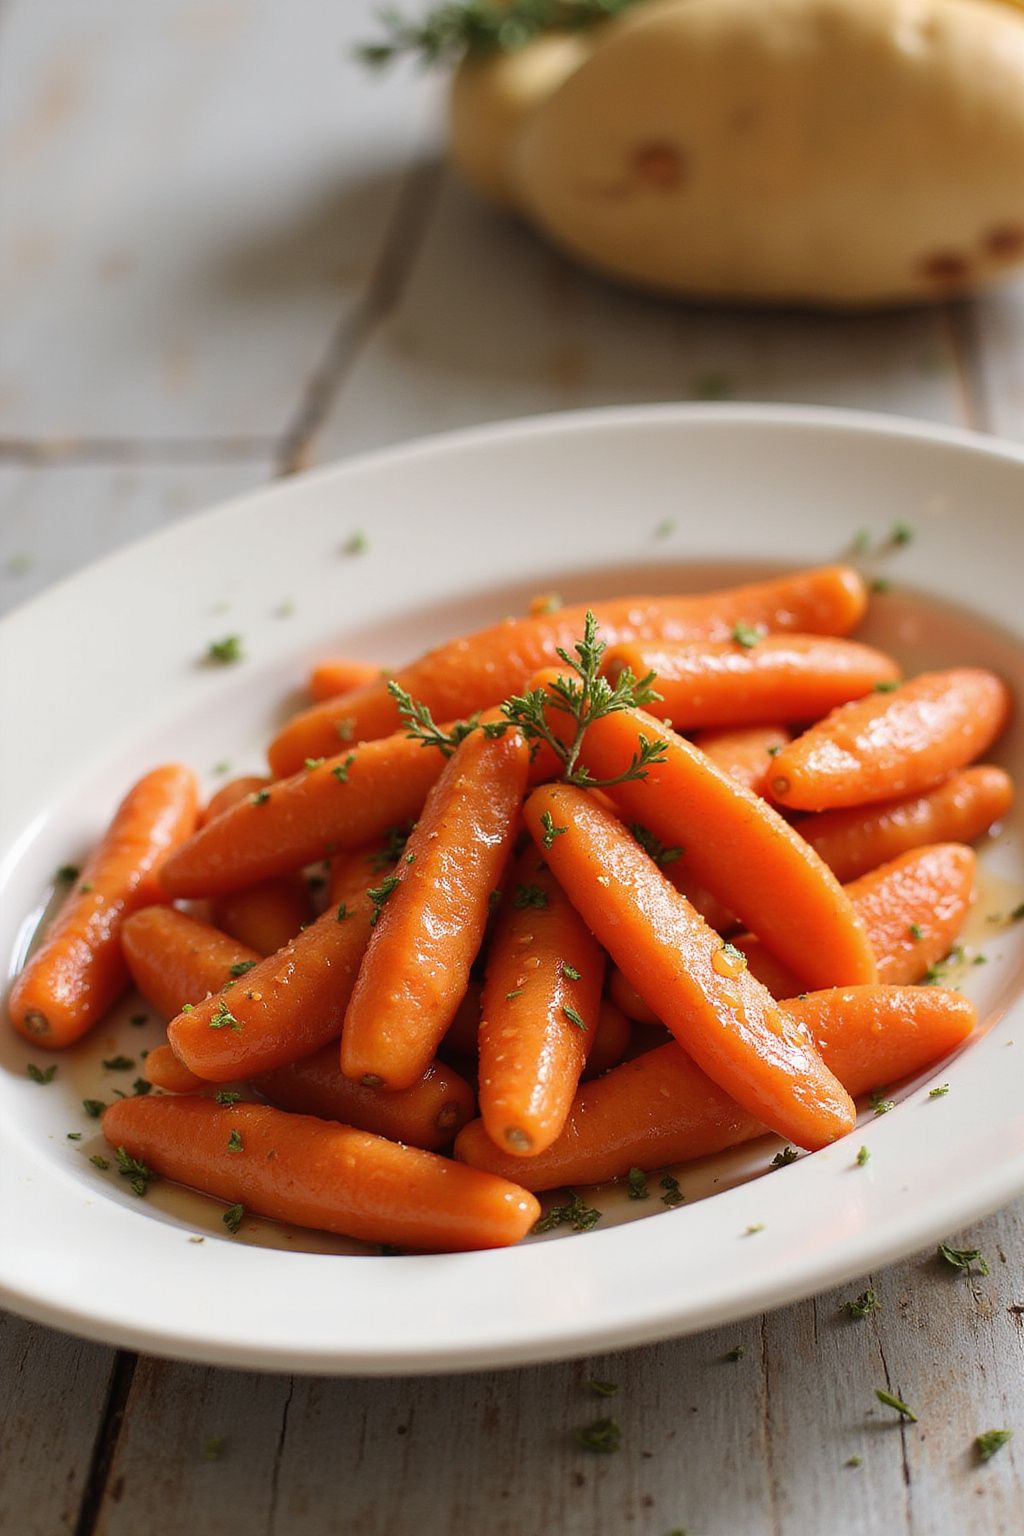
(318, 1174)
(913, 909)
(265, 915)
(755, 679)
(289, 1004)
(625, 996)
(539, 1013)
(432, 921)
(340, 803)
(700, 987)
(336, 675)
(163, 1069)
(892, 744)
(480, 670)
(426, 1115)
(659, 1108)
(461, 1037)
(738, 846)
(233, 793)
(78, 972)
(744, 753)
(960, 809)
(611, 1040)
(175, 959)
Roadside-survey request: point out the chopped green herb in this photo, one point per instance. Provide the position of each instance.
(340, 770)
(980, 960)
(894, 1402)
(74, 1135)
(225, 651)
(736, 1353)
(393, 846)
(865, 1304)
(68, 873)
(510, 996)
(992, 1440)
(880, 584)
(673, 1195)
(602, 1435)
(652, 846)
(241, 966)
(880, 1104)
(1017, 914)
(119, 1064)
(494, 901)
(233, 1217)
(573, 1017)
(570, 971)
(234, 1141)
(784, 1158)
(99, 1162)
(863, 1156)
(854, 1461)
(967, 1259)
(529, 896)
(887, 685)
(345, 728)
(422, 727)
(314, 762)
(136, 1172)
(85, 888)
(637, 1181)
(355, 545)
(861, 542)
(227, 1096)
(41, 1074)
(939, 1092)
(342, 913)
(732, 953)
(753, 1227)
(213, 1447)
(934, 975)
(774, 751)
(665, 528)
(916, 932)
(902, 533)
(260, 797)
(547, 822)
(746, 635)
(575, 1213)
(223, 1016)
(224, 766)
(188, 1008)
(603, 1388)
(138, 1019)
(93, 1108)
(141, 1087)
(478, 27)
(379, 894)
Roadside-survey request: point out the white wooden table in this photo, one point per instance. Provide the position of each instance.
(226, 254)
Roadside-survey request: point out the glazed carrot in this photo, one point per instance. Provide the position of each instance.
(78, 972)
(289, 1004)
(625, 996)
(461, 1036)
(960, 809)
(318, 1174)
(480, 670)
(336, 675)
(175, 959)
(432, 922)
(744, 753)
(266, 915)
(700, 988)
(540, 1004)
(340, 803)
(780, 677)
(739, 847)
(233, 793)
(426, 1115)
(611, 1040)
(659, 1108)
(913, 909)
(892, 743)
(163, 1069)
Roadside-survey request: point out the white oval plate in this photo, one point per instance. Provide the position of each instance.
(103, 676)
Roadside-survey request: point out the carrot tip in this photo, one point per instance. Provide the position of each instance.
(371, 1080)
(36, 1023)
(519, 1139)
(780, 786)
(447, 1116)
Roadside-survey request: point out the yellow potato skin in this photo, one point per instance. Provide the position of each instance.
(825, 152)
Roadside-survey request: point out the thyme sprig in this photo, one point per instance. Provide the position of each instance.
(459, 27)
(422, 727)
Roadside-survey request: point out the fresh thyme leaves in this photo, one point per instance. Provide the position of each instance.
(99, 1162)
(736, 1353)
(68, 873)
(213, 1447)
(570, 971)
(550, 831)
(653, 846)
(889, 685)
(233, 1217)
(673, 1195)
(585, 696)
(356, 544)
(422, 727)
(863, 1306)
(141, 1087)
(457, 27)
(240, 967)
(529, 896)
(603, 1388)
(93, 1108)
(602, 1435)
(340, 770)
(637, 1182)
(235, 1141)
(313, 762)
(260, 797)
(863, 1157)
(902, 533)
(574, 1017)
(379, 894)
(227, 1096)
(74, 1135)
(967, 1259)
(393, 846)
(575, 1213)
(916, 932)
(939, 1092)
(892, 1401)
(223, 1016)
(992, 1440)
(880, 1104)
(342, 912)
(224, 652)
(119, 1064)
(136, 1172)
(510, 996)
(345, 728)
(784, 1158)
(746, 636)
(41, 1074)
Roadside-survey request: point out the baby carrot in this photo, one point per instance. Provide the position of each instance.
(336, 675)
(892, 744)
(913, 909)
(480, 670)
(318, 1174)
(700, 987)
(611, 1040)
(625, 996)
(163, 1069)
(541, 999)
(233, 793)
(744, 753)
(738, 846)
(755, 679)
(461, 1036)
(426, 1115)
(78, 972)
(289, 1004)
(336, 804)
(433, 913)
(659, 1108)
(960, 809)
(175, 959)
(266, 915)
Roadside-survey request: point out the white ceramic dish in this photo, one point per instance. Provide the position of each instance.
(103, 676)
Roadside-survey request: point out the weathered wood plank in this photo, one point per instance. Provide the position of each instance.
(195, 196)
(52, 1395)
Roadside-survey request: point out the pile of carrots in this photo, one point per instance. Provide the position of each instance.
(670, 881)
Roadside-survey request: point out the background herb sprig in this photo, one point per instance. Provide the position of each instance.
(459, 27)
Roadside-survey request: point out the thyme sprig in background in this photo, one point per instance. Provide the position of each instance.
(450, 31)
